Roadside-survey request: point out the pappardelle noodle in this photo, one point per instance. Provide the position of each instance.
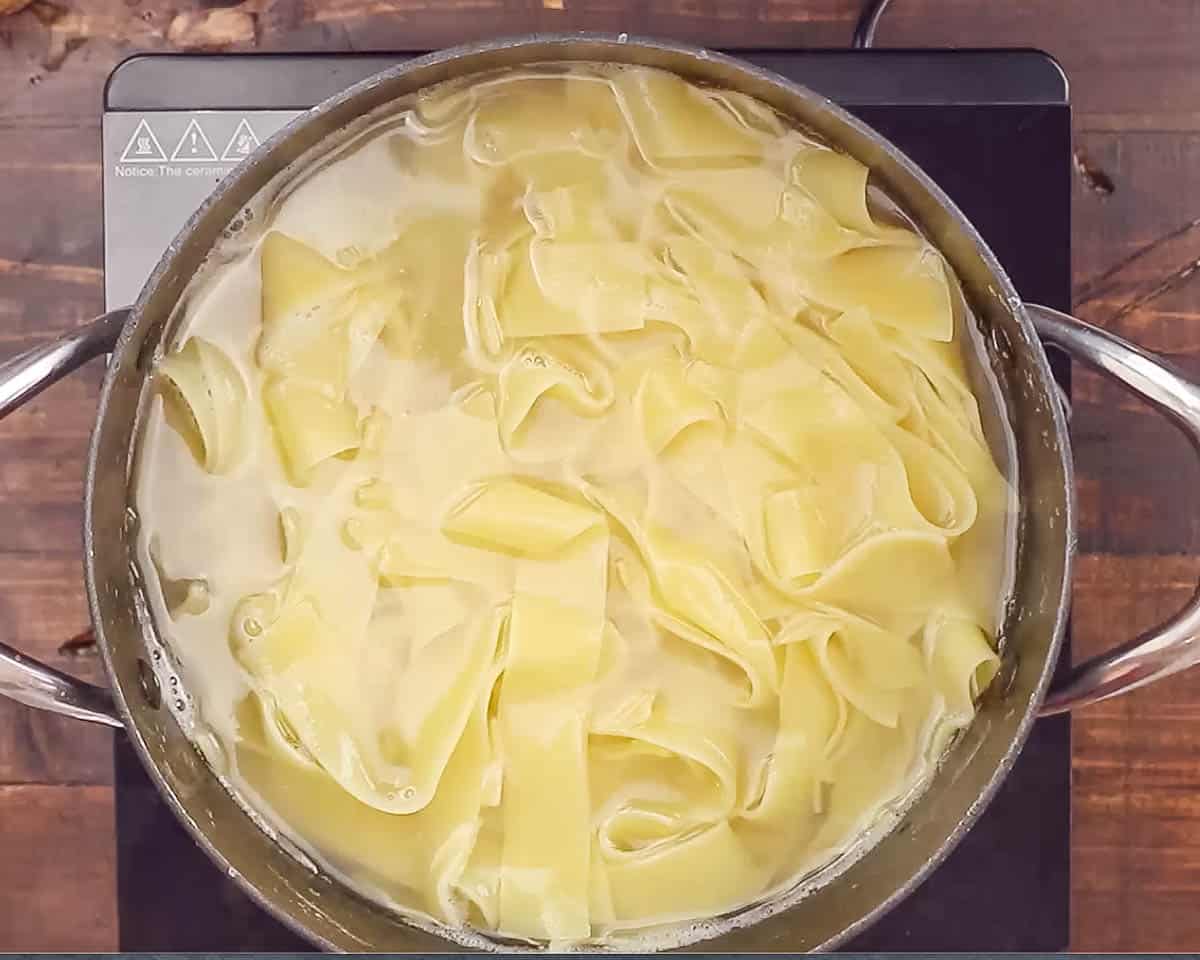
(570, 508)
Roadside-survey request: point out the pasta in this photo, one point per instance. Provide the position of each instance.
(594, 516)
(207, 394)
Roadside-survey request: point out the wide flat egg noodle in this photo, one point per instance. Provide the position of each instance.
(384, 734)
(639, 539)
(206, 390)
(545, 871)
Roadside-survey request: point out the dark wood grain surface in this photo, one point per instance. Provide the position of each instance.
(1135, 74)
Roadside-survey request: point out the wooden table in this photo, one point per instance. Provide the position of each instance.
(1135, 74)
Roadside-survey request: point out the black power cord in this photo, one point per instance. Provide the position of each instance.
(864, 30)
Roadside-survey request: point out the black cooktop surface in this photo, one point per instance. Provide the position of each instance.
(993, 129)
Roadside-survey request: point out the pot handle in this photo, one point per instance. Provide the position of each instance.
(25, 376)
(1175, 645)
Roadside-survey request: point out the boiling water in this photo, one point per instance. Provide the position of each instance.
(619, 164)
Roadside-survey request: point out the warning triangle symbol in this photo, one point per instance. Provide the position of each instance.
(193, 146)
(143, 146)
(243, 142)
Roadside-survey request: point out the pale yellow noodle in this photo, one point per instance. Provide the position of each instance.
(637, 533)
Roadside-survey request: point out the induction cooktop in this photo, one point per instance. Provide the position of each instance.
(993, 128)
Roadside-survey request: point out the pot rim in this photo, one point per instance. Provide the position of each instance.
(602, 46)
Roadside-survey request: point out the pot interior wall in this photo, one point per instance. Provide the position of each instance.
(337, 918)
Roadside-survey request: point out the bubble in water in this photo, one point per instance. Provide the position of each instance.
(179, 704)
(348, 256)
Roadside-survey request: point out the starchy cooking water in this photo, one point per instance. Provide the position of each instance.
(568, 507)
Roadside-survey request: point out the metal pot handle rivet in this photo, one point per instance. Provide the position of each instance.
(1175, 645)
(21, 677)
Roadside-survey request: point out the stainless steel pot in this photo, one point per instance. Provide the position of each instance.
(334, 917)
